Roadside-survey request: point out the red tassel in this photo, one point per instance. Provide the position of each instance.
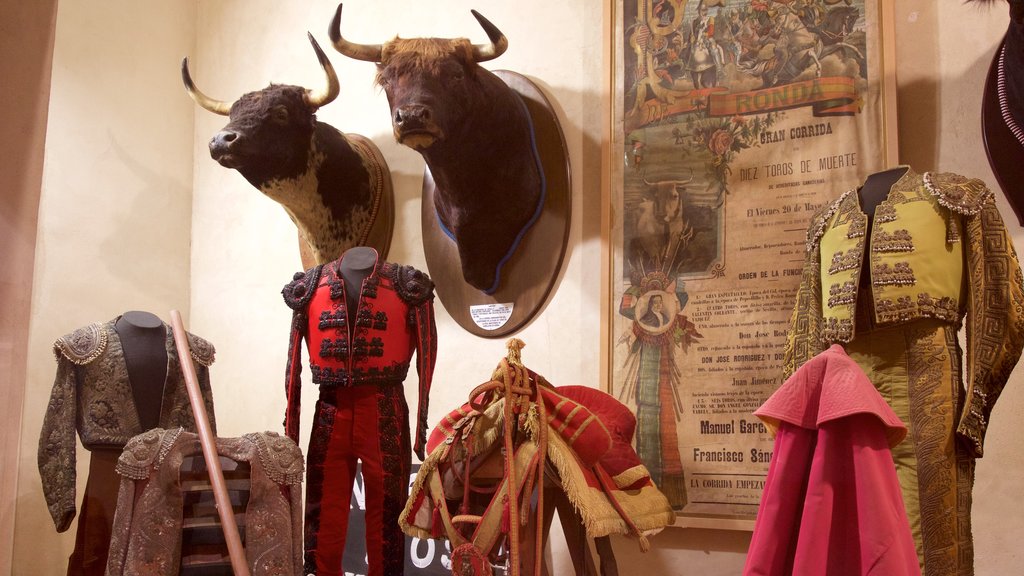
(436, 524)
(505, 527)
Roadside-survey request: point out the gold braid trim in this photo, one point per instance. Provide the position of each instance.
(804, 339)
(995, 320)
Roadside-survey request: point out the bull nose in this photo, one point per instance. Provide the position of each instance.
(411, 115)
(222, 140)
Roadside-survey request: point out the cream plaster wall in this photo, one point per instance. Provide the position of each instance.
(114, 212)
(116, 217)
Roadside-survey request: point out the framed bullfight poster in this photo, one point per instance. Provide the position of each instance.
(732, 122)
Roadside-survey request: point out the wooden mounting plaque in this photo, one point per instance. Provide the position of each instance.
(530, 274)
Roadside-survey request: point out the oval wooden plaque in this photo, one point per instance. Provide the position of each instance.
(530, 274)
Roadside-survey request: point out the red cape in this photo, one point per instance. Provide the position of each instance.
(831, 502)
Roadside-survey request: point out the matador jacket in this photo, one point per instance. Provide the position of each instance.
(92, 393)
(938, 249)
(393, 319)
(148, 523)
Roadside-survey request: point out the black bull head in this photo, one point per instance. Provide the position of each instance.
(326, 182)
(474, 133)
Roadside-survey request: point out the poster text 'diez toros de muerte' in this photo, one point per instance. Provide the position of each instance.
(734, 121)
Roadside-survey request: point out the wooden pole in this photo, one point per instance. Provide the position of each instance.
(206, 440)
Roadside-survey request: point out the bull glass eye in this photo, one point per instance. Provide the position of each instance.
(279, 114)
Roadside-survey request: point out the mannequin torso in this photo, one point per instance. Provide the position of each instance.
(876, 188)
(355, 266)
(144, 341)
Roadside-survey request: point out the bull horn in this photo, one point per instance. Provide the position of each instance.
(365, 52)
(498, 45)
(215, 106)
(323, 97)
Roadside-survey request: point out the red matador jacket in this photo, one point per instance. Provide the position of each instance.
(394, 318)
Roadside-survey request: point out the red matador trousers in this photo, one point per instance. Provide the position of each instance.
(369, 424)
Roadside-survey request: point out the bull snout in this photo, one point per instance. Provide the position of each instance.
(221, 147)
(411, 116)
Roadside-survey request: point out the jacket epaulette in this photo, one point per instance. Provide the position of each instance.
(958, 193)
(145, 452)
(413, 286)
(202, 350)
(280, 456)
(300, 290)
(83, 345)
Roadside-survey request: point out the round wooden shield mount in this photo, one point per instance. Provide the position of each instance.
(530, 274)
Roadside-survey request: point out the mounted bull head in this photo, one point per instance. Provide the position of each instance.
(474, 133)
(335, 188)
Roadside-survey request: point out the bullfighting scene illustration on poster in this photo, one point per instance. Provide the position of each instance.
(734, 122)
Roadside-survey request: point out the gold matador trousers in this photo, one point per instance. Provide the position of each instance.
(916, 368)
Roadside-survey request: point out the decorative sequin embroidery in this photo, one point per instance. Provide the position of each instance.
(380, 321)
(837, 330)
(394, 373)
(849, 260)
(334, 319)
(898, 241)
(957, 193)
(944, 308)
(885, 212)
(334, 348)
(888, 311)
(899, 274)
(841, 294)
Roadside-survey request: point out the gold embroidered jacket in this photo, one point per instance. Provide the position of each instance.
(938, 249)
(147, 532)
(92, 394)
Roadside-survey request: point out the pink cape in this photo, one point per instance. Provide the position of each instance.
(831, 502)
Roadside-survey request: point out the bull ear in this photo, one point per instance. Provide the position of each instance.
(215, 106)
(323, 97)
(498, 45)
(365, 52)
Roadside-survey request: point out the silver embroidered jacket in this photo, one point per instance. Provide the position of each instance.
(146, 538)
(92, 394)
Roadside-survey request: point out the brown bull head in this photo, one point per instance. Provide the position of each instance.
(474, 134)
(314, 171)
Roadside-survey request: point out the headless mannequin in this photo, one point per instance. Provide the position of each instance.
(144, 341)
(355, 266)
(876, 189)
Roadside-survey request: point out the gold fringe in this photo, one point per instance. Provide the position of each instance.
(629, 476)
(647, 507)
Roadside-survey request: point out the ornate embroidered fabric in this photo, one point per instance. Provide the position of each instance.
(842, 294)
(93, 396)
(898, 241)
(849, 260)
(147, 525)
(885, 212)
(899, 274)
(836, 330)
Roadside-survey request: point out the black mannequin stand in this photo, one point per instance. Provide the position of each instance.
(356, 264)
(144, 341)
(876, 188)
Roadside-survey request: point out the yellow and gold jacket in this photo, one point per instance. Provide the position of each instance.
(937, 249)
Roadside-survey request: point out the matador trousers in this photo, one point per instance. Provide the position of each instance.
(369, 424)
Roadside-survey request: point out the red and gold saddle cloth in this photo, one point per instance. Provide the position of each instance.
(512, 428)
